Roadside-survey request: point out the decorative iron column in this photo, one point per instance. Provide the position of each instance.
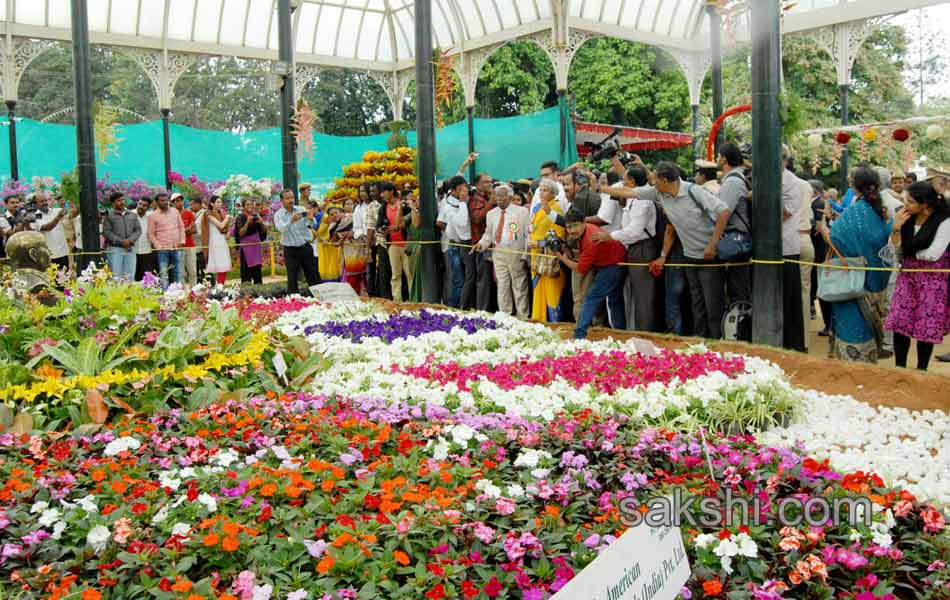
(767, 183)
(470, 118)
(562, 122)
(845, 89)
(425, 146)
(85, 149)
(14, 160)
(288, 147)
(715, 43)
(697, 147)
(167, 143)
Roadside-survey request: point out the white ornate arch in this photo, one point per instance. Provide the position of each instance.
(16, 56)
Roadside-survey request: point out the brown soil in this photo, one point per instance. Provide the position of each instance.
(876, 385)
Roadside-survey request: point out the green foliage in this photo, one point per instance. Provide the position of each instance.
(397, 137)
(517, 79)
(348, 103)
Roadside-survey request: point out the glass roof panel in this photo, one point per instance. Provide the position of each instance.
(403, 25)
(60, 14)
(124, 19)
(326, 29)
(31, 13)
(180, 15)
(611, 12)
(492, 24)
(207, 20)
(369, 37)
(349, 28)
(306, 27)
(98, 11)
(509, 13)
(232, 22)
(471, 19)
(257, 26)
(665, 17)
(527, 9)
(151, 19)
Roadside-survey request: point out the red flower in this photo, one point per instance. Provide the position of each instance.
(469, 589)
(436, 593)
(843, 137)
(436, 570)
(725, 534)
(493, 588)
(371, 502)
(346, 521)
(138, 508)
(266, 513)
(901, 135)
(165, 585)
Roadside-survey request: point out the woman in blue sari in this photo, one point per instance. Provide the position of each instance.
(862, 230)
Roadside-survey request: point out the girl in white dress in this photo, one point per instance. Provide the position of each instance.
(214, 233)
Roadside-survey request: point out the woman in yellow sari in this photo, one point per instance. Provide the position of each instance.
(547, 276)
(330, 260)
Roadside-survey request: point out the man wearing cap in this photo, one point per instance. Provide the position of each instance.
(189, 255)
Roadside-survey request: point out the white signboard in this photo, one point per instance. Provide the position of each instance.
(645, 563)
(334, 292)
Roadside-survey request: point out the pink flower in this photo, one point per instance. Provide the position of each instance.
(933, 520)
(122, 530)
(243, 586)
(936, 565)
(504, 506)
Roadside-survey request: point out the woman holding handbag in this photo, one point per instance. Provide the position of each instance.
(547, 234)
(919, 309)
(860, 232)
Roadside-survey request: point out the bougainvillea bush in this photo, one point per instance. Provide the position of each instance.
(306, 497)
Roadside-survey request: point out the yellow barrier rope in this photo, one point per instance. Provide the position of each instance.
(754, 261)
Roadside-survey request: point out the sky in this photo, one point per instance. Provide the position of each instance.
(935, 19)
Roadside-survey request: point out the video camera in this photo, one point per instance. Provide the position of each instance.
(551, 242)
(26, 214)
(608, 148)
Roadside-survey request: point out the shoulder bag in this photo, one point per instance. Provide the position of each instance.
(734, 244)
(841, 283)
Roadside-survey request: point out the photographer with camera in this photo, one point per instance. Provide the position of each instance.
(582, 199)
(249, 232)
(49, 221)
(601, 258)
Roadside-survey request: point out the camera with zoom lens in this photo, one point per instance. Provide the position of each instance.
(551, 242)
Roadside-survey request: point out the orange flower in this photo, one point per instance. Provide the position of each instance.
(230, 544)
(211, 539)
(292, 491)
(231, 529)
(181, 585)
(325, 564)
(195, 597)
(712, 587)
(327, 485)
(268, 490)
(401, 557)
(118, 487)
(98, 475)
(552, 511)
(92, 595)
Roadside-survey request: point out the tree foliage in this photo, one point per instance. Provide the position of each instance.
(517, 79)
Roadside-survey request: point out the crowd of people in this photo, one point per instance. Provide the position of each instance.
(633, 248)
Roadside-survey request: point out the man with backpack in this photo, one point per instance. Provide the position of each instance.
(642, 227)
(699, 220)
(734, 192)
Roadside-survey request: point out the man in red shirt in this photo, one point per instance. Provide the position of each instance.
(604, 258)
(189, 255)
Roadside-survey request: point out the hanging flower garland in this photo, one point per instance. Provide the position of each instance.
(444, 84)
(105, 124)
(303, 126)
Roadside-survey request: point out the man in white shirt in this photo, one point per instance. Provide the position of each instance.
(793, 203)
(453, 222)
(50, 223)
(638, 233)
(144, 258)
(506, 232)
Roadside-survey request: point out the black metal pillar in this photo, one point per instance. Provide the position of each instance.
(715, 43)
(425, 147)
(470, 117)
(167, 143)
(85, 148)
(288, 146)
(767, 182)
(562, 122)
(697, 143)
(845, 88)
(14, 159)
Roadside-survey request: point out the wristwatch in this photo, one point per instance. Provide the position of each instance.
(662, 254)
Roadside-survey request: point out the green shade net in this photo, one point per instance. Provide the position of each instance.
(510, 148)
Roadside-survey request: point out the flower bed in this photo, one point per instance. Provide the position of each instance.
(302, 497)
(400, 326)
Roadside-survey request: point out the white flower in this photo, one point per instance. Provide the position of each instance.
(530, 458)
(540, 473)
(58, 528)
(725, 563)
(209, 502)
(746, 545)
(88, 504)
(167, 479)
(38, 507)
(262, 592)
(727, 547)
(181, 529)
(855, 536)
(160, 516)
(515, 491)
(50, 516)
(704, 540)
(462, 434)
(121, 444)
(488, 488)
(280, 452)
(225, 458)
(440, 449)
(98, 538)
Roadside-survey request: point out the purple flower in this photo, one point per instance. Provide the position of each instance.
(315, 549)
(400, 326)
(34, 538)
